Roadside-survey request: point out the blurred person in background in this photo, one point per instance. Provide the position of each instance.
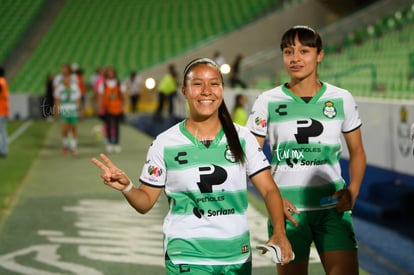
(218, 58)
(112, 98)
(65, 70)
(4, 113)
(97, 80)
(412, 138)
(304, 120)
(133, 86)
(239, 114)
(167, 89)
(67, 110)
(235, 79)
(79, 73)
(49, 100)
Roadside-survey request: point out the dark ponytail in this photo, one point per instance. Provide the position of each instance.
(231, 133)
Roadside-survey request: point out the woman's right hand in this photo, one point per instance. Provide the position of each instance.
(111, 175)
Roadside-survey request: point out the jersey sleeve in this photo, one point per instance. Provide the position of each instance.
(154, 170)
(352, 119)
(257, 120)
(255, 158)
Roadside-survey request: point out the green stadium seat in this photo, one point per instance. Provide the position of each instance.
(130, 34)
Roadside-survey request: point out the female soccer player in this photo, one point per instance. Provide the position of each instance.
(304, 120)
(202, 163)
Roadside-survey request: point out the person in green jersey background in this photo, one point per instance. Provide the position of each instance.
(304, 120)
(67, 98)
(201, 164)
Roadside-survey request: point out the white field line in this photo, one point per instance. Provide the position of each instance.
(19, 131)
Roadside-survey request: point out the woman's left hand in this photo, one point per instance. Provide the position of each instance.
(345, 200)
(288, 209)
(282, 241)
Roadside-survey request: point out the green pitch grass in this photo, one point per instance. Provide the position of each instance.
(23, 150)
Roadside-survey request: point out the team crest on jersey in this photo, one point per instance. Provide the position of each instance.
(228, 155)
(260, 122)
(329, 110)
(154, 171)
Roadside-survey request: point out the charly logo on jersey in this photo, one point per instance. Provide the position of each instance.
(329, 110)
(180, 158)
(281, 110)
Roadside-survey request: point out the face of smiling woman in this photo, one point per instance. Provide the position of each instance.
(203, 90)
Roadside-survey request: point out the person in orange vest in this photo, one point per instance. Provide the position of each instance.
(112, 97)
(4, 113)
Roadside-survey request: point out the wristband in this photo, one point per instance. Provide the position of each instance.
(128, 188)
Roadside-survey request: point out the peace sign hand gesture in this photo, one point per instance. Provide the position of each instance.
(112, 175)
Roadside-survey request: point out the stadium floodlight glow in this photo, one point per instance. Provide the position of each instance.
(225, 69)
(150, 83)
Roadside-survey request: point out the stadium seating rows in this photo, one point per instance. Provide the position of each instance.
(376, 61)
(130, 34)
(15, 16)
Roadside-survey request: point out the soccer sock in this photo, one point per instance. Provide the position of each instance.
(73, 144)
(65, 142)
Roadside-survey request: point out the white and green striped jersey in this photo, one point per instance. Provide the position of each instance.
(68, 100)
(305, 140)
(207, 191)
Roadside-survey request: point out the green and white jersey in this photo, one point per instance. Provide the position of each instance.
(68, 97)
(305, 140)
(207, 191)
